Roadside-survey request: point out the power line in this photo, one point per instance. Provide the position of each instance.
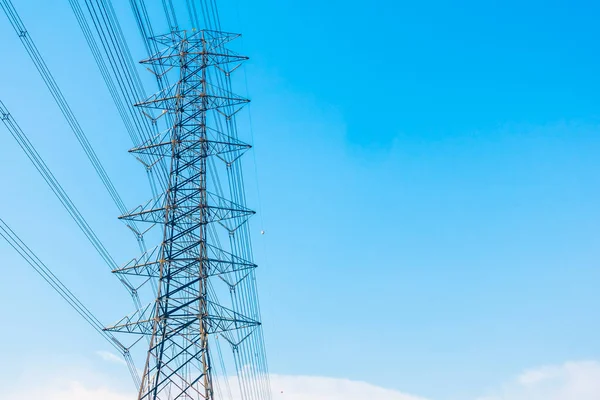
(42, 67)
(59, 287)
(217, 101)
(254, 382)
(23, 141)
(48, 78)
(125, 86)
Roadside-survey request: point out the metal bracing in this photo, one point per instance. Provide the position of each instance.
(187, 311)
(202, 309)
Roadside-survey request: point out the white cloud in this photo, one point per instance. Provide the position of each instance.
(284, 388)
(69, 391)
(110, 357)
(319, 388)
(570, 381)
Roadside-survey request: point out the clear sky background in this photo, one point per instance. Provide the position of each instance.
(428, 177)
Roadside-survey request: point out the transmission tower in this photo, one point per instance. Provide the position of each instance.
(204, 277)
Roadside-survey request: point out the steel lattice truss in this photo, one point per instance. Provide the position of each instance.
(192, 261)
(199, 281)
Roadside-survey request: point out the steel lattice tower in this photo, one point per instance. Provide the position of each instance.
(205, 240)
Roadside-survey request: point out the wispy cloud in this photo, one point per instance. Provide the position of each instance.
(321, 388)
(110, 357)
(284, 388)
(69, 391)
(569, 381)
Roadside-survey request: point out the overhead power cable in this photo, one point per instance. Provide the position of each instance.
(259, 384)
(42, 67)
(62, 196)
(32, 259)
(253, 382)
(112, 54)
(48, 78)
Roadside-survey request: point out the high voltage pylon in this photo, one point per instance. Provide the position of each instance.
(205, 254)
(201, 275)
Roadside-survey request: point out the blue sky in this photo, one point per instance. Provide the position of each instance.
(428, 187)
